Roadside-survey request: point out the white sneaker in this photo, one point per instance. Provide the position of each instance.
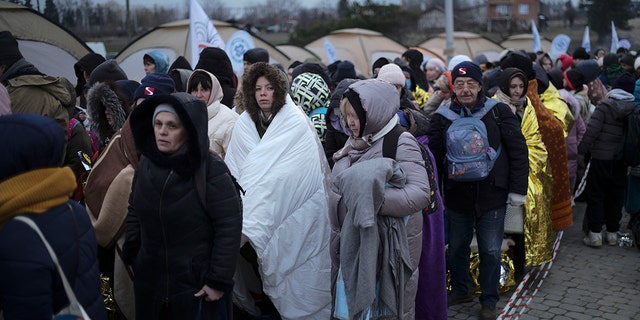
(612, 238)
(593, 239)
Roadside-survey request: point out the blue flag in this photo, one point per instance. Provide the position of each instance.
(586, 42)
(536, 38)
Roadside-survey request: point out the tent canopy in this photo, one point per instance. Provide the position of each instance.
(524, 41)
(173, 39)
(360, 46)
(48, 46)
(467, 43)
(298, 53)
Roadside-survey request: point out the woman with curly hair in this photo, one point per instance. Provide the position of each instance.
(277, 158)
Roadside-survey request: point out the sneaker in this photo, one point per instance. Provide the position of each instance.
(612, 238)
(593, 239)
(454, 298)
(488, 312)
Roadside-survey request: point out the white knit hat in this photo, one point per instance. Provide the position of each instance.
(392, 73)
(636, 64)
(455, 60)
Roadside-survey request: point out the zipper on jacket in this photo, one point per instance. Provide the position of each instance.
(164, 235)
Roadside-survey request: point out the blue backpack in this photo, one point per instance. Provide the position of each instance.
(469, 155)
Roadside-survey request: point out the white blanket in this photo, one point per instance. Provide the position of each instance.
(285, 210)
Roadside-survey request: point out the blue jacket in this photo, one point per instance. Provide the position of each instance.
(29, 281)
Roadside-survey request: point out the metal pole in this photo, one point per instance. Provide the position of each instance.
(448, 16)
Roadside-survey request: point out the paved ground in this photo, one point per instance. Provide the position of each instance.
(582, 283)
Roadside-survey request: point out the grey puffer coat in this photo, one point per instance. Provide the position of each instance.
(605, 128)
(380, 104)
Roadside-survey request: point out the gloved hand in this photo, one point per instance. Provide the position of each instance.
(516, 200)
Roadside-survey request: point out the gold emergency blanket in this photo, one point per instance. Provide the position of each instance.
(553, 137)
(538, 229)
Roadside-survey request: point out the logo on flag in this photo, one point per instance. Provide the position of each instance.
(238, 44)
(202, 32)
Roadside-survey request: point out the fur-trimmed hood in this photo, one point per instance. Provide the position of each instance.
(103, 96)
(275, 77)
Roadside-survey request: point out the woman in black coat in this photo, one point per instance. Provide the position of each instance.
(184, 222)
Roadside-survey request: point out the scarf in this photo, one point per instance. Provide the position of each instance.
(35, 192)
(357, 143)
(553, 138)
(516, 105)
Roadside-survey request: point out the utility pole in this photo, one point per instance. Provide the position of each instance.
(127, 22)
(448, 26)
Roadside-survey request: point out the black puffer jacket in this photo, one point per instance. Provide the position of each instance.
(606, 127)
(509, 173)
(173, 243)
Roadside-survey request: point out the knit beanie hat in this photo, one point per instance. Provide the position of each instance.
(87, 63)
(163, 107)
(346, 70)
(294, 64)
(467, 69)
(379, 63)
(312, 67)
(180, 63)
(566, 61)
(393, 74)
(457, 59)
(609, 59)
(256, 55)
(107, 71)
(556, 76)
(436, 64)
(626, 82)
(309, 91)
(516, 60)
(160, 59)
(636, 64)
(581, 53)
(627, 59)
(575, 79)
(216, 61)
(128, 88)
(10, 53)
(154, 84)
(589, 69)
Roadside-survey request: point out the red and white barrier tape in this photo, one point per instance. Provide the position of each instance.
(533, 279)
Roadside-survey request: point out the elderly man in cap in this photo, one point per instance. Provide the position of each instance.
(479, 204)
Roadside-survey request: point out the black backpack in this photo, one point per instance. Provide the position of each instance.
(389, 150)
(630, 144)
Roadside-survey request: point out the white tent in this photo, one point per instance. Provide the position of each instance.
(298, 53)
(524, 41)
(48, 46)
(360, 46)
(173, 39)
(467, 43)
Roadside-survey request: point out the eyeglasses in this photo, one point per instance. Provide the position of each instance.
(472, 85)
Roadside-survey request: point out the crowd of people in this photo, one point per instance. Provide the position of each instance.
(301, 193)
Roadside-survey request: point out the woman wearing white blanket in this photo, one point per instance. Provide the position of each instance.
(277, 158)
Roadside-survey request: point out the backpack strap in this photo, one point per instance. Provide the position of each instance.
(390, 142)
(488, 106)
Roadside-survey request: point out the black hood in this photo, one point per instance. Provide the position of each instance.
(193, 115)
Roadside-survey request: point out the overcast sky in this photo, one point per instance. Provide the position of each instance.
(237, 3)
